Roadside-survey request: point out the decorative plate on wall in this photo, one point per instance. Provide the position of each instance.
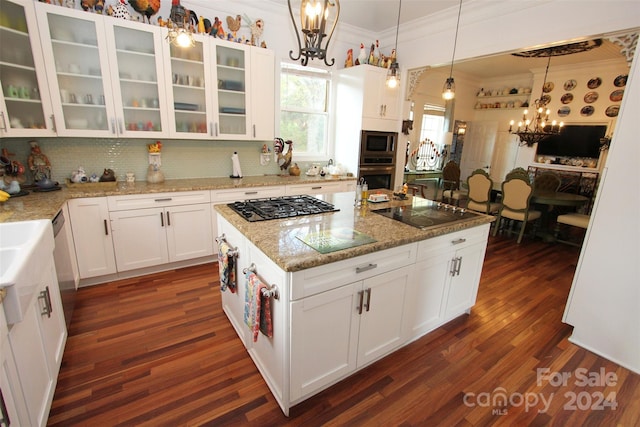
(621, 80)
(587, 110)
(594, 83)
(612, 111)
(591, 97)
(548, 87)
(570, 84)
(564, 111)
(567, 98)
(616, 95)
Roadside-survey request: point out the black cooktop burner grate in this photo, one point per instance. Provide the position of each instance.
(280, 207)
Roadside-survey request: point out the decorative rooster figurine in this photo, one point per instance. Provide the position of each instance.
(362, 56)
(284, 159)
(234, 25)
(147, 8)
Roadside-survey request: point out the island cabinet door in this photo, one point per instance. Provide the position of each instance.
(324, 339)
(381, 328)
(465, 277)
(425, 296)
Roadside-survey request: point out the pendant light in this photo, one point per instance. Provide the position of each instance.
(316, 16)
(179, 33)
(393, 76)
(449, 89)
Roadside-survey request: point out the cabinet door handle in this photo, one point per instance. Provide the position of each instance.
(5, 420)
(120, 127)
(254, 131)
(371, 266)
(216, 129)
(168, 219)
(4, 121)
(361, 295)
(106, 228)
(458, 241)
(384, 110)
(161, 220)
(46, 296)
(53, 123)
(210, 128)
(459, 265)
(368, 303)
(113, 126)
(452, 270)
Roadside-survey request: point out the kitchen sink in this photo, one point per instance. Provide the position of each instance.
(26, 248)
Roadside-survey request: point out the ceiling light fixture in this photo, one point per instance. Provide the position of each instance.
(179, 33)
(393, 76)
(449, 89)
(537, 129)
(315, 15)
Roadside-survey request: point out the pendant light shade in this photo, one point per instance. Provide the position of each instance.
(316, 16)
(393, 76)
(449, 88)
(179, 33)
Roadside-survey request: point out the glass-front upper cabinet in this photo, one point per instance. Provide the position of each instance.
(25, 109)
(188, 97)
(139, 89)
(232, 103)
(75, 54)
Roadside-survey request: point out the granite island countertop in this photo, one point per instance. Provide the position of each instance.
(46, 204)
(278, 239)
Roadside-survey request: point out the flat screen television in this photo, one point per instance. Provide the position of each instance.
(574, 141)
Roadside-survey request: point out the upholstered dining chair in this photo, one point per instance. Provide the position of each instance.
(479, 198)
(518, 172)
(451, 192)
(571, 219)
(546, 181)
(516, 194)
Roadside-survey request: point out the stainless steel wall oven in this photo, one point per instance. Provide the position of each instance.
(378, 158)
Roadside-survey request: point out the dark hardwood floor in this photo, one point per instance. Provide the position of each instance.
(158, 350)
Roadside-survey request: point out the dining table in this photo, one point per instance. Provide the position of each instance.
(550, 199)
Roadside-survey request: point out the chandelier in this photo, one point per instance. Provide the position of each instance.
(315, 15)
(536, 129)
(179, 33)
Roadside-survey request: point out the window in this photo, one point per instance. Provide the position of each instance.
(304, 117)
(433, 124)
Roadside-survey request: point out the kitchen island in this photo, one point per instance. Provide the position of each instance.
(334, 313)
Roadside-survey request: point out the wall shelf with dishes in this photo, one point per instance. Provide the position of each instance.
(503, 99)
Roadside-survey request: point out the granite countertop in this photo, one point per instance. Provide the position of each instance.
(45, 205)
(278, 238)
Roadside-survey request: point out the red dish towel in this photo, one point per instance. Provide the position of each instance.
(227, 268)
(257, 307)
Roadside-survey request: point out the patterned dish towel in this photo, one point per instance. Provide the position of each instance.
(257, 307)
(227, 268)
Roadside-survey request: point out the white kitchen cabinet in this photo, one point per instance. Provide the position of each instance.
(365, 99)
(25, 108)
(177, 229)
(263, 94)
(326, 187)
(447, 275)
(106, 76)
(15, 409)
(336, 332)
(92, 236)
(37, 344)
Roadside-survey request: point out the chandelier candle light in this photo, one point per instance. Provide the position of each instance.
(533, 131)
(314, 17)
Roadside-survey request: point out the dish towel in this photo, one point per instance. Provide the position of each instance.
(257, 307)
(227, 268)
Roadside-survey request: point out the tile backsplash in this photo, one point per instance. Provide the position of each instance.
(180, 158)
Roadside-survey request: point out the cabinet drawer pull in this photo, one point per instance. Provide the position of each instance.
(458, 241)
(166, 199)
(249, 193)
(161, 220)
(366, 268)
(106, 228)
(317, 188)
(368, 303)
(361, 295)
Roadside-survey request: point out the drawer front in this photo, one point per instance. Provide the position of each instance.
(325, 277)
(238, 194)
(315, 188)
(453, 241)
(156, 200)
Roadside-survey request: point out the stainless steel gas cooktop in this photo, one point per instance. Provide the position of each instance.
(427, 213)
(280, 207)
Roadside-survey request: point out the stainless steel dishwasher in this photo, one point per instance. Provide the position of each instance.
(62, 255)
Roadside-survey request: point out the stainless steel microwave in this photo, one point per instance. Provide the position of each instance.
(378, 147)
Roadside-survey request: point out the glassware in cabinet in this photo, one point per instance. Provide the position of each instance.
(232, 64)
(23, 111)
(190, 103)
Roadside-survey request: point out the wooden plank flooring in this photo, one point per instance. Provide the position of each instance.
(158, 351)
